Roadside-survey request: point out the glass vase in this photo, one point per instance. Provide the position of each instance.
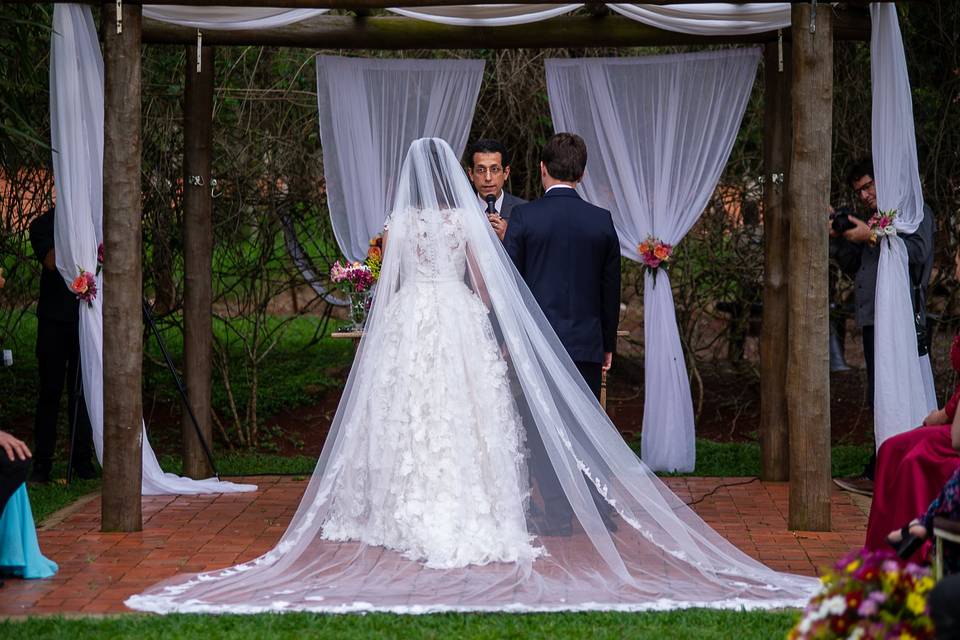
(359, 306)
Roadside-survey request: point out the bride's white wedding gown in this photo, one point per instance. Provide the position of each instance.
(461, 414)
(434, 465)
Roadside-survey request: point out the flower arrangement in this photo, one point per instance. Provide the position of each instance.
(84, 286)
(882, 224)
(354, 277)
(375, 255)
(654, 254)
(869, 594)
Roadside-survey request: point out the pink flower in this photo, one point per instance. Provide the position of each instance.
(79, 284)
(868, 608)
(100, 253)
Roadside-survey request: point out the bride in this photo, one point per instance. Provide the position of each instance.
(426, 498)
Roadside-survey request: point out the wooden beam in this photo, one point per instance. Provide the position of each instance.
(395, 32)
(774, 449)
(808, 198)
(197, 259)
(122, 273)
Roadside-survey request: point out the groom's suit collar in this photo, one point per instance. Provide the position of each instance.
(562, 192)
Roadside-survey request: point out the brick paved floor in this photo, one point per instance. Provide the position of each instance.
(195, 533)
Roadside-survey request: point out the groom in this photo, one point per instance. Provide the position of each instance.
(568, 253)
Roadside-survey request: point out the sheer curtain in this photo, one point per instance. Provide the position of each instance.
(901, 399)
(76, 129)
(479, 15)
(713, 19)
(229, 18)
(659, 131)
(370, 112)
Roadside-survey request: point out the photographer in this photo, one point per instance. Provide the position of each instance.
(863, 241)
(844, 261)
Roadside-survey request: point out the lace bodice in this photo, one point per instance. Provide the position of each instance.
(434, 248)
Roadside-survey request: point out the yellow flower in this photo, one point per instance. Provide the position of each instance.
(917, 604)
(853, 566)
(925, 584)
(906, 636)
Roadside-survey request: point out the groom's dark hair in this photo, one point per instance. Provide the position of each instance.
(565, 156)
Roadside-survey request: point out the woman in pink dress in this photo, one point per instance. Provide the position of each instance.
(912, 468)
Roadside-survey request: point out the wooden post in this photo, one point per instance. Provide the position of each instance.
(122, 273)
(774, 449)
(808, 196)
(197, 259)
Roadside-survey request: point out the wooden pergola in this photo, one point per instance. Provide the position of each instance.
(795, 386)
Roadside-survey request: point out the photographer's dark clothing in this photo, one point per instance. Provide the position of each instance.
(58, 359)
(56, 301)
(920, 257)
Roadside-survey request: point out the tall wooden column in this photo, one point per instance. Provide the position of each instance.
(197, 258)
(122, 272)
(808, 196)
(774, 449)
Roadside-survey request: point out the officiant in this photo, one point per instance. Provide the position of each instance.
(488, 167)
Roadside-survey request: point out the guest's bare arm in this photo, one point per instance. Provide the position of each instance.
(15, 448)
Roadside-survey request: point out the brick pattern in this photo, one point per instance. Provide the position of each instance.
(98, 571)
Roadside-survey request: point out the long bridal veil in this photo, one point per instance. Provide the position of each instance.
(630, 544)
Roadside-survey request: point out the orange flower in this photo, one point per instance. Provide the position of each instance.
(661, 252)
(375, 252)
(644, 247)
(79, 284)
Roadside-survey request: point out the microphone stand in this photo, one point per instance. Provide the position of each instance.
(148, 316)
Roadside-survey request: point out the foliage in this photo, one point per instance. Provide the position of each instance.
(869, 594)
(691, 623)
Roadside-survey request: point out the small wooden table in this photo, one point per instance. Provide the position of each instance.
(356, 335)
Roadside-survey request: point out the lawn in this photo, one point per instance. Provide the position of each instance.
(693, 623)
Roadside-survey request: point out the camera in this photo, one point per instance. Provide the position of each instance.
(840, 220)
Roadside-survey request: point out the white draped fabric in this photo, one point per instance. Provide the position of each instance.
(696, 18)
(76, 127)
(659, 130)
(229, 18)
(488, 15)
(710, 19)
(370, 112)
(900, 398)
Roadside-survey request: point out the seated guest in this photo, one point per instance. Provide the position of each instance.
(913, 467)
(14, 466)
(19, 551)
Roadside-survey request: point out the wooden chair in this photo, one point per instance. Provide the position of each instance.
(943, 530)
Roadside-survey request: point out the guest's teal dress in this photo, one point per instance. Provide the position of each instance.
(19, 550)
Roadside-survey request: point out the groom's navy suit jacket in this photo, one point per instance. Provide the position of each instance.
(568, 253)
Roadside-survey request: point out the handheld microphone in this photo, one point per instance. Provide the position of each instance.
(491, 203)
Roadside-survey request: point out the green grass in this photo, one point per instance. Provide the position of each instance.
(694, 623)
(743, 459)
